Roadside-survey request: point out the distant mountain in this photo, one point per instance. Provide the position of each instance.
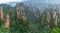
(40, 4)
(31, 3)
(12, 3)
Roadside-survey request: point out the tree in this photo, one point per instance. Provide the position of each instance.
(19, 26)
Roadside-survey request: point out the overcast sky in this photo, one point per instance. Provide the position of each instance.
(54, 1)
(4, 1)
(49, 1)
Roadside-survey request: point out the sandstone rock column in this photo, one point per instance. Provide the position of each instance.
(1, 12)
(48, 18)
(54, 14)
(18, 11)
(24, 17)
(56, 20)
(7, 21)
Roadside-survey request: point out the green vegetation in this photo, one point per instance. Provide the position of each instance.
(55, 30)
(33, 24)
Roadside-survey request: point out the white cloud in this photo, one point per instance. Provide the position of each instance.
(4, 1)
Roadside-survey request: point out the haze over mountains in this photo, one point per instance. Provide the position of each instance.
(40, 4)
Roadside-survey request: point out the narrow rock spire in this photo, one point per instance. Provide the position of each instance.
(7, 21)
(1, 12)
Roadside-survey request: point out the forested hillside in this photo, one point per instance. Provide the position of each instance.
(26, 19)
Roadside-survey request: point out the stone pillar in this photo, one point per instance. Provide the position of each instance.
(42, 21)
(37, 14)
(48, 18)
(7, 21)
(54, 14)
(56, 20)
(43, 17)
(18, 11)
(1, 12)
(24, 17)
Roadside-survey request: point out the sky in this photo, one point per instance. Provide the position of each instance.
(5, 1)
(48, 1)
(53, 1)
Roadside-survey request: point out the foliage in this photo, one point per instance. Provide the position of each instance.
(19, 26)
(55, 30)
(3, 29)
